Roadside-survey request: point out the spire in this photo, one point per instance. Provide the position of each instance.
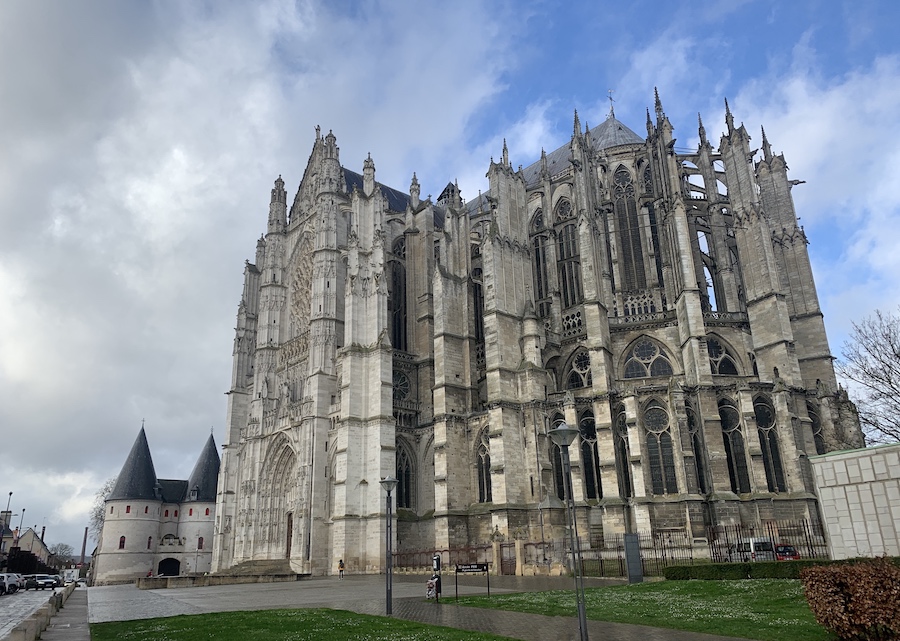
(414, 191)
(545, 171)
(369, 176)
(703, 141)
(660, 114)
(767, 148)
(137, 480)
(612, 111)
(729, 119)
(203, 480)
(505, 160)
(278, 193)
(577, 128)
(649, 123)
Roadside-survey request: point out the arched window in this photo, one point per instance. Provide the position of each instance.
(590, 456)
(696, 434)
(631, 254)
(146, 509)
(569, 266)
(768, 441)
(623, 452)
(659, 449)
(556, 461)
(541, 277)
(121, 542)
(176, 514)
(720, 361)
(191, 512)
(200, 543)
(735, 453)
(110, 509)
(483, 469)
(167, 514)
(816, 428)
(405, 477)
(397, 305)
(207, 512)
(149, 542)
(579, 371)
(127, 509)
(647, 359)
(648, 181)
(478, 309)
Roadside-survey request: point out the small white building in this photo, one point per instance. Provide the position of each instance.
(859, 494)
(158, 526)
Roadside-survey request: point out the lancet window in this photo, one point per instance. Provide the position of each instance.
(568, 257)
(659, 449)
(590, 456)
(405, 478)
(579, 371)
(631, 253)
(647, 359)
(720, 361)
(541, 277)
(818, 438)
(623, 453)
(559, 482)
(735, 451)
(768, 441)
(397, 297)
(483, 470)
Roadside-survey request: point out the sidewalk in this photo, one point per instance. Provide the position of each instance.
(70, 623)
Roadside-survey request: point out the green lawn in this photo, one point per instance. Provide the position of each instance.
(279, 625)
(765, 609)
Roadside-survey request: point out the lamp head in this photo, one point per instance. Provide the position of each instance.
(389, 483)
(563, 435)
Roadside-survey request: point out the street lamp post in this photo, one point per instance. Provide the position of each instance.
(389, 483)
(563, 436)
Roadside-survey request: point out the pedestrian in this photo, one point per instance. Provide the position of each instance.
(341, 569)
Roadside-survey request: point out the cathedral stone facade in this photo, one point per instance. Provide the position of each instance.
(659, 300)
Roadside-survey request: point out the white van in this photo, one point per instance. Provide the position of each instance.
(752, 550)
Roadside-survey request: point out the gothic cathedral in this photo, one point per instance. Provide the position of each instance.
(660, 300)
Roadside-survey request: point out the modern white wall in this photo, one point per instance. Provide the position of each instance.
(859, 495)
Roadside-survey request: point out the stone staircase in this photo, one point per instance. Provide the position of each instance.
(260, 567)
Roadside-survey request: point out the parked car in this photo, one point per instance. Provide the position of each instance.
(785, 552)
(11, 582)
(39, 582)
(752, 550)
(57, 580)
(2, 585)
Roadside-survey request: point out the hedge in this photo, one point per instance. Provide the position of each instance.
(755, 570)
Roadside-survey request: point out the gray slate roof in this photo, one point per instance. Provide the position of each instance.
(397, 200)
(610, 133)
(137, 480)
(205, 475)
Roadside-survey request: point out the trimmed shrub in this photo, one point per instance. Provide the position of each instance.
(859, 601)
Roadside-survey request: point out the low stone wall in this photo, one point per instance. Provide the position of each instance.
(163, 582)
(31, 628)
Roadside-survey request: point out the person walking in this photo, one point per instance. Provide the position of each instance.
(341, 569)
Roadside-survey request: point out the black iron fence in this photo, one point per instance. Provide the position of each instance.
(605, 555)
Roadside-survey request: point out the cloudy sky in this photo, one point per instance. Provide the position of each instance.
(139, 142)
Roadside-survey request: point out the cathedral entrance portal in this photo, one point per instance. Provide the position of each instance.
(290, 534)
(169, 567)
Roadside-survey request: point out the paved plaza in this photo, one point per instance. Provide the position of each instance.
(362, 594)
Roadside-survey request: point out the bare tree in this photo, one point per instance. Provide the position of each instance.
(872, 361)
(98, 508)
(63, 553)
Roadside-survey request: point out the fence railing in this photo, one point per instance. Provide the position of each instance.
(605, 556)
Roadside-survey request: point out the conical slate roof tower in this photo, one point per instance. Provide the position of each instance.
(202, 483)
(137, 480)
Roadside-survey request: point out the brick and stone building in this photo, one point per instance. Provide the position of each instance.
(158, 526)
(660, 300)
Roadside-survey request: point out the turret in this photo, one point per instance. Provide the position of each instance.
(278, 207)
(369, 176)
(414, 192)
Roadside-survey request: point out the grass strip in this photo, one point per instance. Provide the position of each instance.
(279, 625)
(764, 609)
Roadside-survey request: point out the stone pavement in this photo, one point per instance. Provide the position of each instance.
(362, 594)
(15, 608)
